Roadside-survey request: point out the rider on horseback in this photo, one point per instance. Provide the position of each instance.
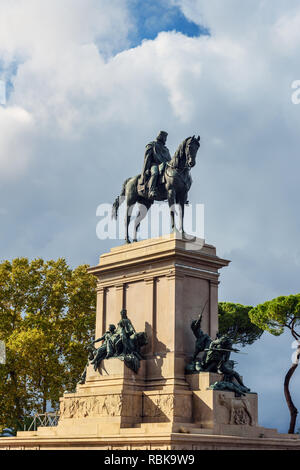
(172, 187)
(156, 157)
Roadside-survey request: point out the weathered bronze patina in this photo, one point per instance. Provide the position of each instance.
(157, 156)
(122, 342)
(162, 179)
(216, 359)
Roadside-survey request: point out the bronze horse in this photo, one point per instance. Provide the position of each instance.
(173, 186)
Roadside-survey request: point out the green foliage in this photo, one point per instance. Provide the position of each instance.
(274, 316)
(277, 314)
(234, 320)
(47, 316)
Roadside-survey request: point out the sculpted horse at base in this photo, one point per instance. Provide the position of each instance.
(173, 186)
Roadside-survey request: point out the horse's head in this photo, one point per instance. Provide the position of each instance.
(191, 149)
(185, 155)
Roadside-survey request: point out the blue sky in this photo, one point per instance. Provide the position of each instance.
(83, 98)
(154, 16)
(7, 74)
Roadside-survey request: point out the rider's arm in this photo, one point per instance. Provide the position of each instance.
(99, 339)
(148, 158)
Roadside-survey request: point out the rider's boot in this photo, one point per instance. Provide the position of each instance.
(152, 184)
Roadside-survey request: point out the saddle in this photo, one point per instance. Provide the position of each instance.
(143, 187)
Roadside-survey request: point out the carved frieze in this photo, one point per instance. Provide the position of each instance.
(101, 406)
(158, 406)
(167, 406)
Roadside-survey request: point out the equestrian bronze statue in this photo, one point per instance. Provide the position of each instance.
(163, 179)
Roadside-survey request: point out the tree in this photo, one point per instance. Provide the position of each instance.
(274, 316)
(47, 316)
(234, 320)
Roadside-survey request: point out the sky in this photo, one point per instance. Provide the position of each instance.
(90, 82)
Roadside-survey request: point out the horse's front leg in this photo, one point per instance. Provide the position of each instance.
(182, 232)
(171, 202)
(182, 205)
(143, 209)
(127, 222)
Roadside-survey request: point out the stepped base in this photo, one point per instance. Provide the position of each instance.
(158, 437)
(116, 413)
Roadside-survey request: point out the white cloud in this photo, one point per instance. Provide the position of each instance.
(16, 141)
(79, 117)
(231, 87)
(45, 29)
(244, 21)
(287, 32)
(60, 50)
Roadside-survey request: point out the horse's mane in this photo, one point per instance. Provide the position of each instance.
(180, 152)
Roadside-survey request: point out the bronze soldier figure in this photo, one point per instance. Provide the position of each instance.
(107, 349)
(126, 333)
(203, 340)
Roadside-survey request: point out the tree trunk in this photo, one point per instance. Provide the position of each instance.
(290, 404)
(44, 404)
(17, 402)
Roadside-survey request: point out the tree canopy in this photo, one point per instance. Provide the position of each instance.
(234, 320)
(47, 316)
(275, 316)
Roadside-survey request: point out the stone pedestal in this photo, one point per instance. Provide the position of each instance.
(110, 399)
(164, 285)
(221, 411)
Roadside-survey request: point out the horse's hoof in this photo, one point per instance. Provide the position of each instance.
(127, 241)
(135, 240)
(188, 238)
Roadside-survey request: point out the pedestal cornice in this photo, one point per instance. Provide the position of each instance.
(157, 255)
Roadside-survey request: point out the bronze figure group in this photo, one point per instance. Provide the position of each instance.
(121, 342)
(215, 357)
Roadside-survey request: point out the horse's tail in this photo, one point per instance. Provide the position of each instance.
(119, 200)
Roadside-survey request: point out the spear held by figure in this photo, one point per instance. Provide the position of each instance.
(228, 350)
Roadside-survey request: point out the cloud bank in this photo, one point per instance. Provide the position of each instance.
(84, 102)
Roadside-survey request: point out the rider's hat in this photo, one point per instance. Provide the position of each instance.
(162, 134)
